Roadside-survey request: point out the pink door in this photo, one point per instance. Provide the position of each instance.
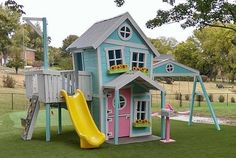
(124, 113)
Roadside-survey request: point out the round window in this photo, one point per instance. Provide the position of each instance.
(122, 102)
(125, 32)
(169, 68)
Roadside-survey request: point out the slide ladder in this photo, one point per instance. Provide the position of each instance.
(31, 118)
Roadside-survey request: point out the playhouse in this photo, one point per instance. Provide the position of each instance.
(113, 68)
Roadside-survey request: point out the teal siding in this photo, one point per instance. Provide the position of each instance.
(177, 69)
(136, 38)
(90, 65)
(95, 112)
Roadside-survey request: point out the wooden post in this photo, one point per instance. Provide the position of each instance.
(45, 44)
(59, 130)
(48, 122)
(162, 117)
(116, 117)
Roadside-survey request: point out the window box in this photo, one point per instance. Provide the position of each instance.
(114, 69)
(141, 69)
(141, 123)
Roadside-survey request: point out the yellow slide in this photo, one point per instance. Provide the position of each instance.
(90, 136)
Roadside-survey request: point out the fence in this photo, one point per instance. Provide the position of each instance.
(13, 101)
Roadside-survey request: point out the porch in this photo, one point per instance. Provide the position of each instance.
(47, 84)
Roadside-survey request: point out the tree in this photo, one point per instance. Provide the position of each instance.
(199, 13)
(164, 45)
(188, 52)
(67, 41)
(9, 22)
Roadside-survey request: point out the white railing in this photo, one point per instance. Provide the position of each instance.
(47, 84)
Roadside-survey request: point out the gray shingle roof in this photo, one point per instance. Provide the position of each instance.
(99, 31)
(137, 77)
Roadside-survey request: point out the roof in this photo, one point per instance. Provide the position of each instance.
(137, 77)
(163, 57)
(188, 70)
(101, 30)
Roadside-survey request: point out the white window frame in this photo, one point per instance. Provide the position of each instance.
(113, 49)
(138, 51)
(119, 32)
(125, 101)
(140, 112)
(168, 66)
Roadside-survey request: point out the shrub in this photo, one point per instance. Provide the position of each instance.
(186, 97)
(169, 80)
(232, 100)
(211, 97)
(177, 96)
(199, 97)
(221, 98)
(8, 82)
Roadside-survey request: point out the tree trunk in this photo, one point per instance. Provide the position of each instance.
(16, 68)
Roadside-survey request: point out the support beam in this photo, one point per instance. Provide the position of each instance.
(48, 122)
(116, 117)
(209, 103)
(191, 106)
(45, 44)
(59, 130)
(162, 117)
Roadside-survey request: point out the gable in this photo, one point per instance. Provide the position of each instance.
(172, 68)
(135, 37)
(100, 31)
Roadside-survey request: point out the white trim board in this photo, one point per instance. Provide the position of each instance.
(125, 43)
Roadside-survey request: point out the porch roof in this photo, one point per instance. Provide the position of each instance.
(137, 77)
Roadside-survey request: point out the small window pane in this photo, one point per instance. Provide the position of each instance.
(142, 116)
(118, 53)
(118, 62)
(123, 28)
(135, 56)
(141, 65)
(127, 35)
(134, 64)
(138, 116)
(122, 34)
(111, 54)
(141, 57)
(138, 106)
(127, 29)
(143, 106)
(112, 63)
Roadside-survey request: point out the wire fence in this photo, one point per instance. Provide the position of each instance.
(183, 99)
(13, 101)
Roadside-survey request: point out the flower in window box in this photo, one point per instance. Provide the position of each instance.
(134, 68)
(119, 67)
(125, 66)
(113, 67)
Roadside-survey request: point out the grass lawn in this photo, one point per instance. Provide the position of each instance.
(198, 141)
(221, 109)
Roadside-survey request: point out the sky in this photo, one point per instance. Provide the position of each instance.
(66, 17)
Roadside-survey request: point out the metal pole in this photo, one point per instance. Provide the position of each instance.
(45, 44)
(162, 117)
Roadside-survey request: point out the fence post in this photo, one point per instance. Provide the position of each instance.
(227, 99)
(12, 101)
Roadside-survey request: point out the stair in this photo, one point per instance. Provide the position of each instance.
(29, 122)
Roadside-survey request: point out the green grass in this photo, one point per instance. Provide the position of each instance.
(200, 140)
(221, 109)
